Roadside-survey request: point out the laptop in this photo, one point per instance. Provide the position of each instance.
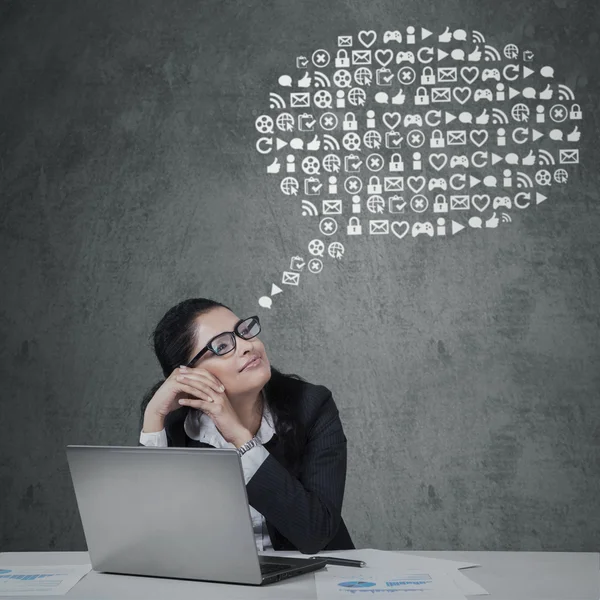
(172, 512)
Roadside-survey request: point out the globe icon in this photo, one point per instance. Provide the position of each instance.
(511, 51)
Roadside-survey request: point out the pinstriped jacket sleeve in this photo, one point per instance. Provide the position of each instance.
(306, 510)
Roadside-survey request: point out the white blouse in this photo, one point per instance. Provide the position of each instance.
(199, 426)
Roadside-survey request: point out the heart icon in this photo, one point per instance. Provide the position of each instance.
(438, 161)
(480, 201)
(461, 94)
(469, 74)
(403, 228)
(384, 57)
(367, 38)
(479, 137)
(392, 119)
(413, 183)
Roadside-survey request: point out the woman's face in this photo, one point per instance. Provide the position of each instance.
(229, 368)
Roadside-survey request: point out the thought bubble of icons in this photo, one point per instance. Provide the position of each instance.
(414, 136)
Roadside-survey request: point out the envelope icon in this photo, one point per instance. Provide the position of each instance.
(361, 57)
(440, 94)
(459, 202)
(290, 278)
(379, 226)
(457, 138)
(332, 207)
(300, 99)
(568, 157)
(344, 41)
(393, 184)
(447, 74)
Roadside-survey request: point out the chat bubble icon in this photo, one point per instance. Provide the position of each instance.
(556, 135)
(381, 98)
(265, 302)
(475, 222)
(490, 181)
(529, 92)
(297, 144)
(512, 159)
(465, 117)
(460, 35)
(285, 81)
(547, 72)
(458, 54)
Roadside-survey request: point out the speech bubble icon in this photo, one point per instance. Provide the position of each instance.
(475, 222)
(458, 54)
(297, 144)
(381, 98)
(556, 134)
(490, 181)
(460, 35)
(285, 81)
(547, 72)
(529, 92)
(265, 302)
(465, 117)
(512, 159)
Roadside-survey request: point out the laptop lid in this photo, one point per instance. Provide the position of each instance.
(166, 512)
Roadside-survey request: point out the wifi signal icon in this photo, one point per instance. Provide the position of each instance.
(523, 180)
(321, 80)
(330, 143)
(565, 92)
(499, 116)
(545, 157)
(490, 54)
(506, 218)
(478, 37)
(309, 209)
(276, 101)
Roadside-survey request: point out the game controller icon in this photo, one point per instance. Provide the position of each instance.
(487, 94)
(490, 74)
(392, 35)
(459, 161)
(405, 56)
(419, 228)
(502, 201)
(413, 120)
(437, 183)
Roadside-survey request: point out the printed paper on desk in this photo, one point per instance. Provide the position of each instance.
(45, 580)
(336, 582)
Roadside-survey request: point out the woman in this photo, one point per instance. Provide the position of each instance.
(220, 391)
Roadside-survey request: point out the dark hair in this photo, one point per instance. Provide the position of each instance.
(173, 341)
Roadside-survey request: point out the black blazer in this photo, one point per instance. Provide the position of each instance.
(300, 496)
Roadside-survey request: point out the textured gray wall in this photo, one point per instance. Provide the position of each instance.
(466, 369)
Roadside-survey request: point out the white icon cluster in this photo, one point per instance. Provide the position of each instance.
(415, 139)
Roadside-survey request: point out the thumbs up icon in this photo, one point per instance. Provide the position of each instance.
(474, 56)
(305, 81)
(547, 93)
(575, 135)
(314, 144)
(446, 36)
(274, 167)
(483, 118)
(492, 222)
(399, 98)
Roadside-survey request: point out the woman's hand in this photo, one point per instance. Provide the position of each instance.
(210, 398)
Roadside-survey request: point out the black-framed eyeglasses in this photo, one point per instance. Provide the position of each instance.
(225, 342)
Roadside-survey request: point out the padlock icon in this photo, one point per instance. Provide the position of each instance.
(427, 76)
(354, 226)
(349, 123)
(437, 139)
(396, 164)
(421, 97)
(374, 186)
(440, 204)
(575, 113)
(342, 61)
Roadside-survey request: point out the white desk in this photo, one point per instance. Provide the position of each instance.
(505, 575)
